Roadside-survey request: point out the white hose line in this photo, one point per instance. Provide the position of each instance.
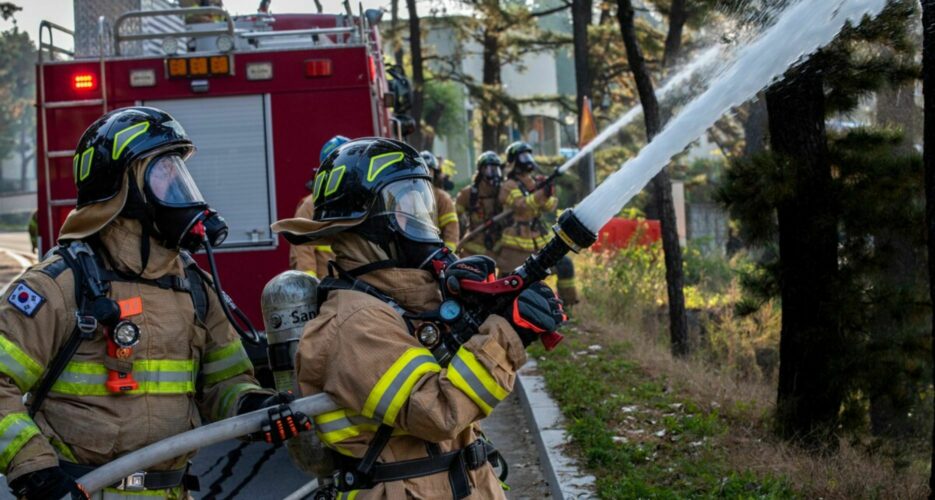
(304, 491)
(194, 439)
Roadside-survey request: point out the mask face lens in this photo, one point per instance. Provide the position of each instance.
(168, 181)
(412, 206)
(525, 159)
(492, 173)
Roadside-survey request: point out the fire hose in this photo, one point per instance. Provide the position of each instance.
(194, 439)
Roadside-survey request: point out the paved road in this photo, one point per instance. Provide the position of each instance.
(16, 241)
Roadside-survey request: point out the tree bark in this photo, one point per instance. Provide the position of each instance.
(810, 391)
(490, 119)
(394, 27)
(678, 14)
(580, 20)
(418, 72)
(928, 158)
(661, 186)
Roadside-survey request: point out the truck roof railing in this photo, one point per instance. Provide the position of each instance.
(49, 46)
(118, 37)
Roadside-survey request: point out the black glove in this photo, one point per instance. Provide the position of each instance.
(282, 423)
(548, 186)
(535, 312)
(47, 483)
(474, 268)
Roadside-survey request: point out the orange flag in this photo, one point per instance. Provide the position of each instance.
(588, 128)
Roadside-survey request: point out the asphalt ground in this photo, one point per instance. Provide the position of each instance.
(239, 469)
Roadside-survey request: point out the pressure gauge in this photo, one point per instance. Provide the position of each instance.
(171, 45)
(126, 334)
(450, 311)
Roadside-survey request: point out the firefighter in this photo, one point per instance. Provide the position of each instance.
(447, 220)
(118, 336)
(405, 429)
(313, 259)
(478, 203)
(528, 233)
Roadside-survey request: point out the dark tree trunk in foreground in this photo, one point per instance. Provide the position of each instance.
(580, 20)
(418, 72)
(928, 86)
(394, 28)
(678, 14)
(810, 395)
(490, 119)
(661, 186)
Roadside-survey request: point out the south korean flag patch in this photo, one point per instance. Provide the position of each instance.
(25, 299)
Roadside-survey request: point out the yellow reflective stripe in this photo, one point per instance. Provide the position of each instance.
(528, 244)
(566, 283)
(123, 138)
(445, 219)
(319, 183)
(531, 201)
(515, 194)
(348, 495)
(15, 430)
(63, 449)
(15, 363)
(311, 273)
(551, 203)
(230, 396)
(339, 425)
(155, 376)
(324, 248)
(468, 375)
(226, 362)
(475, 248)
(451, 245)
(380, 162)
(393, 388)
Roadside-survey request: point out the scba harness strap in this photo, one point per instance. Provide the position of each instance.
(92, 283)
(353, 474)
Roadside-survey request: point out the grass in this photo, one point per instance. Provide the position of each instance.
(647, 425)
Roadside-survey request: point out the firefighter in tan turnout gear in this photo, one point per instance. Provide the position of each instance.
(528, 233)
(313, 259)
(478, 203)
(447, 217)
(407, 424)
(118, 336)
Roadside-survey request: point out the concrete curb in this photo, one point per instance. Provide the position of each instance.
(565, 479)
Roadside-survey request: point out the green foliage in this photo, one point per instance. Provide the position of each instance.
(640, 438)
(17, 90)
(626, 286)
(446, 100)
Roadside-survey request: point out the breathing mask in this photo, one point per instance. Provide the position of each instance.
(178, 206)
(525, 163)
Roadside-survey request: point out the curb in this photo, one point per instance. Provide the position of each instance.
(566, 480)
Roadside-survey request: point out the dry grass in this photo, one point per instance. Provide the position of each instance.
(747, 405)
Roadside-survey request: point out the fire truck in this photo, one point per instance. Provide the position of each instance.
(258, 94)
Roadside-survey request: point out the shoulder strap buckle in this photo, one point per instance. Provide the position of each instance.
(86, 324)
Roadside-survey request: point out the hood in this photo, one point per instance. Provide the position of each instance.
(416, 290)
(89, 219)
(122, 237)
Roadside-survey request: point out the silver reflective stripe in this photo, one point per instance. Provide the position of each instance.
(139, 376)
(16, 370)
(345, 422)
(458, 365)
(224, 363)
(400, 379)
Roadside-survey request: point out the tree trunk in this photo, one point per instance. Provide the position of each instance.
(755, 126)
(490, 117)
(580, 20)
(661, 186)
(678, 14)
(394, 28)
(418, 72)
(928, 86)
(810, 391)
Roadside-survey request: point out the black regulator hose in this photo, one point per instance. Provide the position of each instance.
(250, 335)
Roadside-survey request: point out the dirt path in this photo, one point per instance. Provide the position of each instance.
(509, 431)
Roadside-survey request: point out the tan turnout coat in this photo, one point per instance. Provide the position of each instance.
(360, 352)
(187, 369)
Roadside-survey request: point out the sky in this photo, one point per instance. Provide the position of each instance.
(61, 12)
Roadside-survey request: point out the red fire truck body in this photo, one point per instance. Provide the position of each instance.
(258, 126)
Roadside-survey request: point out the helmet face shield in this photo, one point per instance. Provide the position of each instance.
(410, 207)
(525, 161)
(168, 183)
(492, 174)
